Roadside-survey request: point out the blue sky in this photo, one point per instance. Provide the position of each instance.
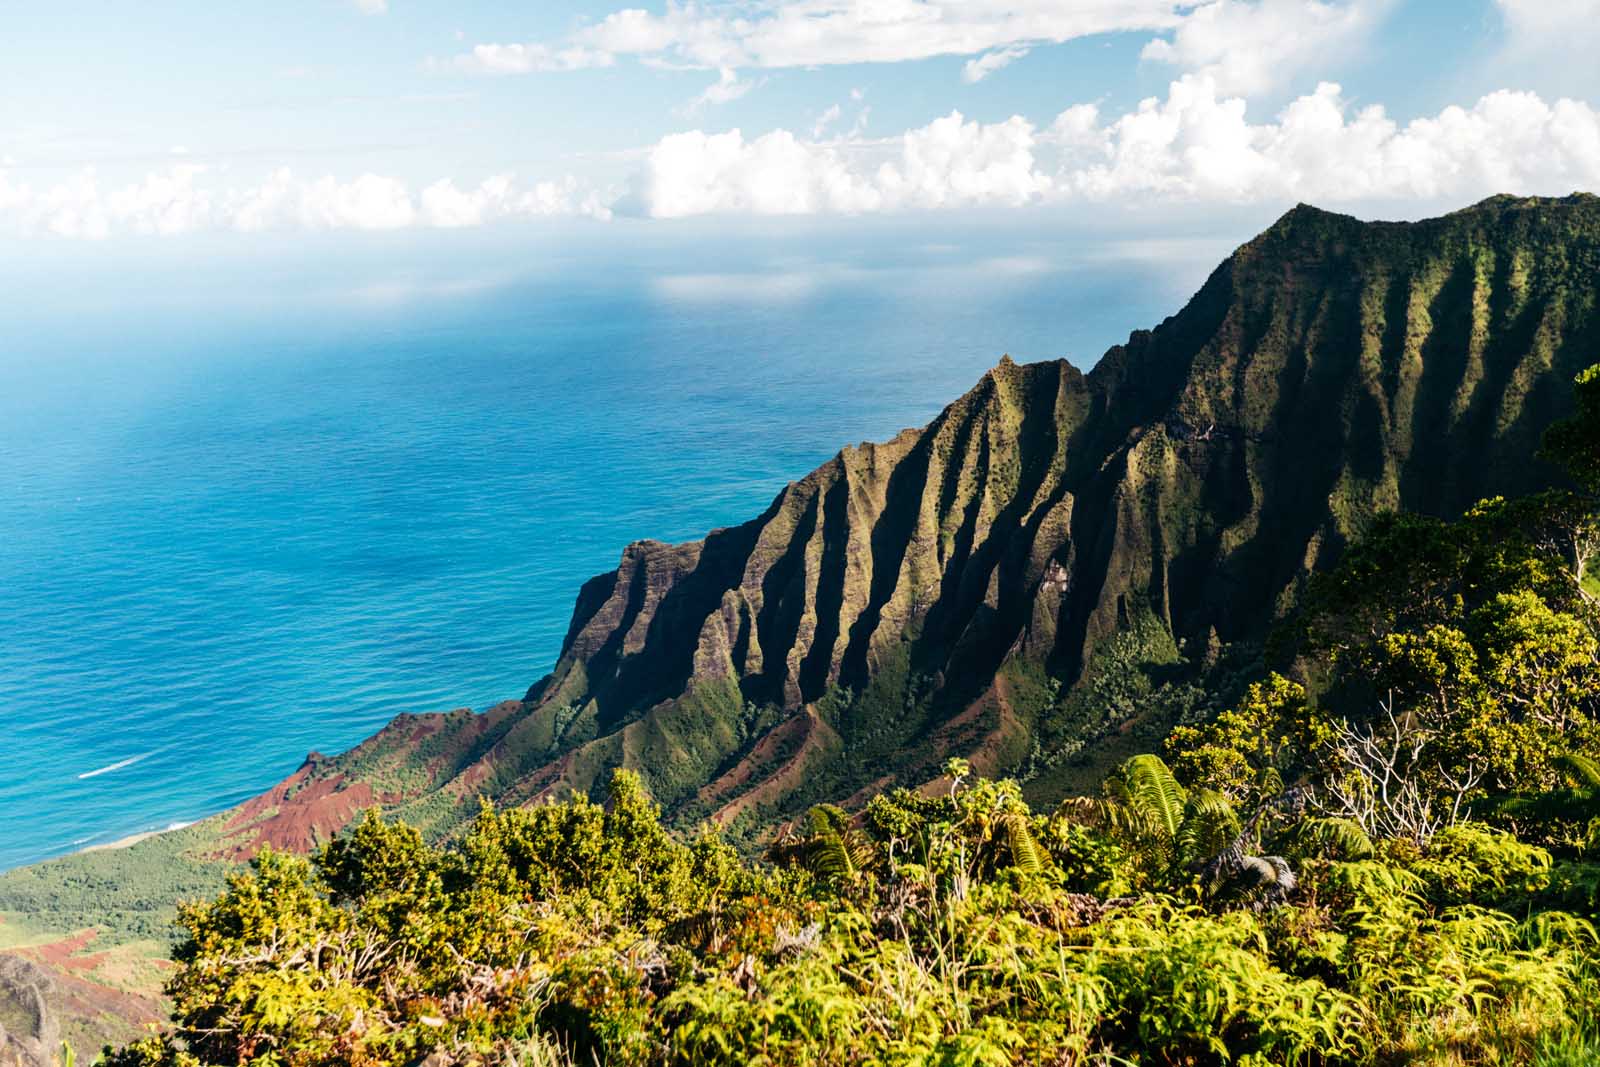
(305, 115)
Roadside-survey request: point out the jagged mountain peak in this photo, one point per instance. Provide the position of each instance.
(935, 594)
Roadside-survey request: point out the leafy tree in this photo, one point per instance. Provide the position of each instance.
(1574, 442)
(1247, 752)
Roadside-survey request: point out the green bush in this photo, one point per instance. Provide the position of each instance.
(961, 928)
(1471, 862)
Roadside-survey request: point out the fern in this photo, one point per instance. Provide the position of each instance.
(1333, 837)
(1579, 771)
(1154, 795)
(1209, 826)
(1026, 855)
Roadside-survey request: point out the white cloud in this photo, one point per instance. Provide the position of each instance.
(1198, 145)
(443, 204)
(1247, 47)
(803, 33)
(175, 202)
(1550, 20)
(826, 119)
(527, 58)
(446, 205)
(370, 202)
(1195, 146)
(1545, 38)
(949, 162)
(726, 89)
(164, 204)
(372, 7)
(696, 173)
(975, 70)
(13, 198)
(833, 114)
(952, 162)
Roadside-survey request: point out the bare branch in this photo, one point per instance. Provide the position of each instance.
(1379, 782)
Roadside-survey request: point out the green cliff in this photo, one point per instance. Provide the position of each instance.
(946, 592)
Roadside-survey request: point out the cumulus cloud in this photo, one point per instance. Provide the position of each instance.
(1199, 145)
(443, 204)
(948, 163)
(696, 173)
(807, 33)
(1196, 145)
(975, 70)
(370, 202)
(164, 203)
(952, 162)
(1247, 47)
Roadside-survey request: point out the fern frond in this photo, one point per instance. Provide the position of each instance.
(1209, 825)
(1026, 855)
(827, 819)
(1342, 837)
(1580, 771)
(1154, 793)
(828, 857)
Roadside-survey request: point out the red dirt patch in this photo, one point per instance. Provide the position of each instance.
(860, 797)
(791, 731)
(983, 751)
(818, 737)
(80, 994)
(300, 818)
(317, 801)
(61, 953)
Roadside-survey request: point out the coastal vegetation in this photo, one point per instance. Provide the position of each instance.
(1385, 853)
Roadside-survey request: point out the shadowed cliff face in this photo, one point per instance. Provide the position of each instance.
(925, 596)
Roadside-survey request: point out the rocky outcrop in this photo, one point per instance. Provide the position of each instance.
(30, 1036)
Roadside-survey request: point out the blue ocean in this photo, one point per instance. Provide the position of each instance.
(256, 501)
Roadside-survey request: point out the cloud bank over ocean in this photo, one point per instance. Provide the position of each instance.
(1195, 146)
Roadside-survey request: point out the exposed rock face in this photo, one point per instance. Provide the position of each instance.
(73, 991)
(29, 1033)
(907, 600)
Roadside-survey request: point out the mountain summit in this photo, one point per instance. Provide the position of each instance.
(944, 592)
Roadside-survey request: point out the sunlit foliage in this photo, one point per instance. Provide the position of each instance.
(1397, 869)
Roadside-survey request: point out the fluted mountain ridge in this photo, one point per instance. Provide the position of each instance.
(943, 592)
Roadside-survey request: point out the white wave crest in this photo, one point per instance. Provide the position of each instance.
(117, 766)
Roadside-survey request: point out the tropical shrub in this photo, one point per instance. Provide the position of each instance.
(961, 927)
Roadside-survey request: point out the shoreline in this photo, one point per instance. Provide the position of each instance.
(135, 838)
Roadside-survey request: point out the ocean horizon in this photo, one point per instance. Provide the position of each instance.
(236, 531)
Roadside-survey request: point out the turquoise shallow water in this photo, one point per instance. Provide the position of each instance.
(235, 531)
